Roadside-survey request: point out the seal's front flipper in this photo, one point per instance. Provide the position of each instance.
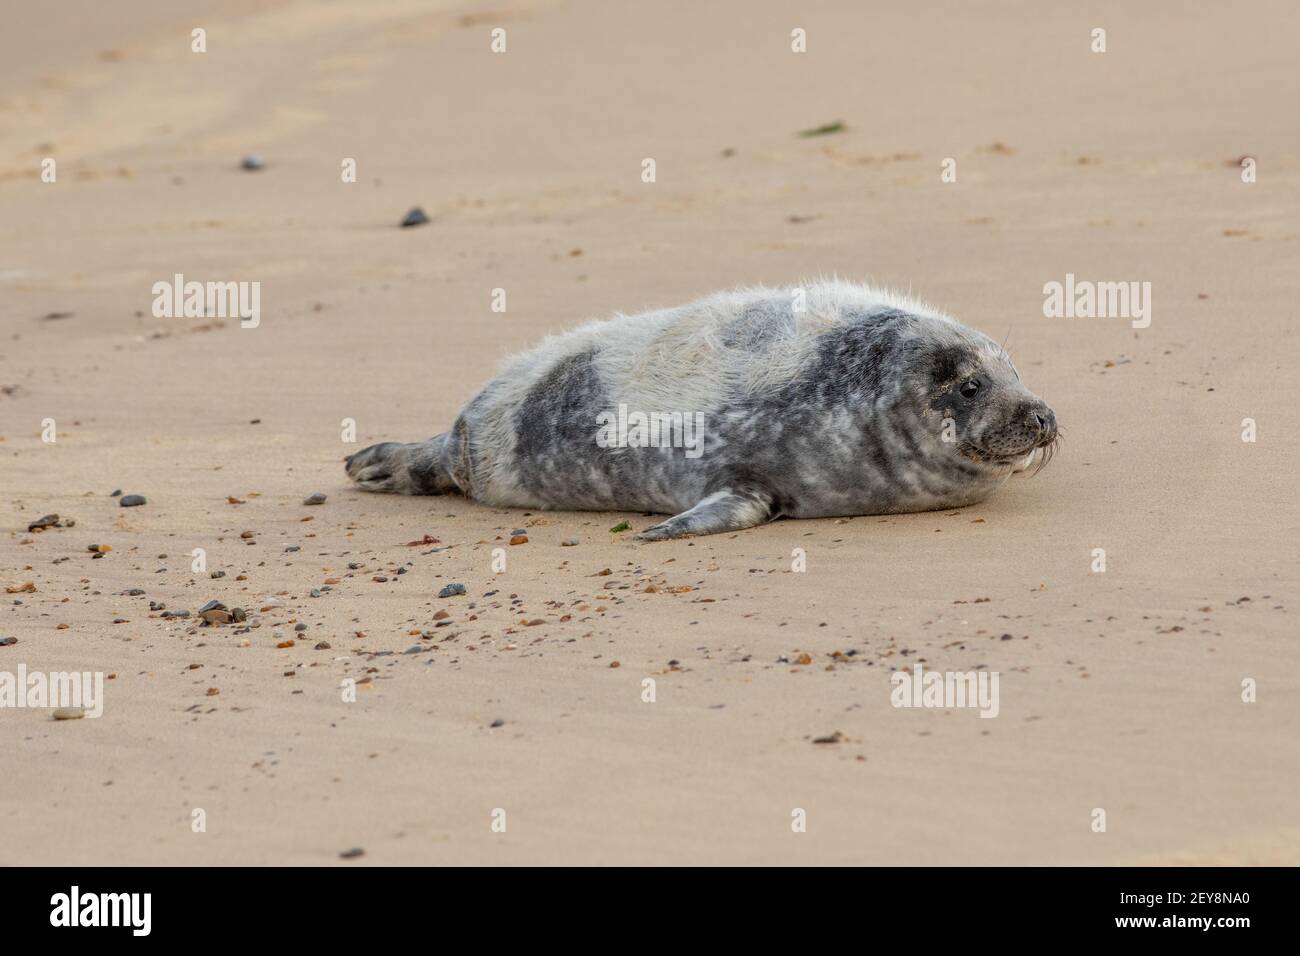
(418, 468)
(731, 509)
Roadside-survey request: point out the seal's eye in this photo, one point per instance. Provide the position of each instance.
(971, 388)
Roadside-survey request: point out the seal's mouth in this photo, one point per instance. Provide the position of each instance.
(1048, 446)
(1000, 456)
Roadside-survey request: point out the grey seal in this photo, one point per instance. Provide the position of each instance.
(812, 401)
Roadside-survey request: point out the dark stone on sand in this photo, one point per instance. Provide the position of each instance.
(132, 501)
(451, 590)
(315, 499)
(415, 217)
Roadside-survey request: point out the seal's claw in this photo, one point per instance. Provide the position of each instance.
(729, 509)
(660, 532)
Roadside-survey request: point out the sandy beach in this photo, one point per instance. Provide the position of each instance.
(524, 699)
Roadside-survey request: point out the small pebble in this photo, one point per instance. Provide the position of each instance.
(498, 723)
(70, 713)
(316, 499)
(451, 590)
(49, 521)
(415, 217)
(252, 163)
(6, 641)
(569, 543)
(132, 501)
(352, 854)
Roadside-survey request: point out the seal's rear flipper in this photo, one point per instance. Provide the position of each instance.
(418, 468)
(731, 509)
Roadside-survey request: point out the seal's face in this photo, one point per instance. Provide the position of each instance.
(995, 420)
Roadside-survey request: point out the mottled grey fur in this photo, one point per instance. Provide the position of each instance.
(829, 399)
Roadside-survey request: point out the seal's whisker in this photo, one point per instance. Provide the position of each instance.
(1049, 452)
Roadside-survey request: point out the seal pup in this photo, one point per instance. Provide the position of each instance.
(816, 401)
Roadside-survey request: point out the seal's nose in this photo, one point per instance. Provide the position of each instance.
(1046, 419)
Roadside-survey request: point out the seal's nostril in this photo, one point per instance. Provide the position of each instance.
(1042, 419)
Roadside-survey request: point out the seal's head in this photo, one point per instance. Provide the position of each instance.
(992, 418)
